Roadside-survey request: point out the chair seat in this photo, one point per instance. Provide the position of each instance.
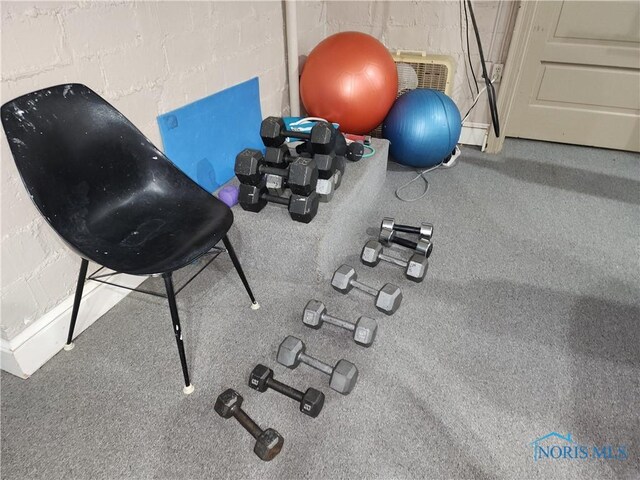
(111, 195)
(145, 236)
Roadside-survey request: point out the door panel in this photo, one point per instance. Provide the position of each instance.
(580, 81)
(595, 21)
(563, 83)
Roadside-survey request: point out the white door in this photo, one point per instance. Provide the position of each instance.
(579, 79)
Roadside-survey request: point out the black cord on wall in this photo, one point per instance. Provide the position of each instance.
(466, 30)
(462, 42)
(491, 93)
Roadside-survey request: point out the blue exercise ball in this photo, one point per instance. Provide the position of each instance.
(423, 127)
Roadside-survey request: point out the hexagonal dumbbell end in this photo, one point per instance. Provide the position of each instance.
(324, 189)
(371, 253)
(247, 166)
(251, 197)
(389, 299)
(277, 156)
(344, 377)
(304, 209)
(342, 278)
(365, 332)
(289, 352)
(417, 267)
(270, 130)
(227, 403)
(312, 315)
(303, 175)
(325, 163)
(312, 402)
(268, 444)
(323, 137)
(259, 376)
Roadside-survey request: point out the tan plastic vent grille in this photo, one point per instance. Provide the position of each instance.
(432, 76)
(419, 70)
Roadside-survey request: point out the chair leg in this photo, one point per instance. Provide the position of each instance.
(84, 265)
(171, 296)
(236, 263)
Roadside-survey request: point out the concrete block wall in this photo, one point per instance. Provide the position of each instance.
(312, 25)
(434, 27)
(146, 58)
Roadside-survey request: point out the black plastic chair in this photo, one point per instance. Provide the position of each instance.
(113, 197)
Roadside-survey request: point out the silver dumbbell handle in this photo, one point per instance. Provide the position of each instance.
(317, 364)
(365, 288)
(338, 322)
(395, 261)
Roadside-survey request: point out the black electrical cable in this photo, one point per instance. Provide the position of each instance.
(491, 93)
(466, 70)
(466, 29)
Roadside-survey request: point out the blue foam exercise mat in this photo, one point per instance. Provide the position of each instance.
(204, 137)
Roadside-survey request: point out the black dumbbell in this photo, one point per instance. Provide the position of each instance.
(268, 442)
(425, 230)
(274, 133)
(301, 174)
(422, 246)
(281, 156)
(352, 151)
(311, 401)
(326, 162)
(301, 208)
(277, 184)
(278, 156)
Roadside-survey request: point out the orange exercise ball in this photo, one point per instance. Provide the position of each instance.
(349, 78)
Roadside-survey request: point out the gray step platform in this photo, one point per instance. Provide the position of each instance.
(315, 249)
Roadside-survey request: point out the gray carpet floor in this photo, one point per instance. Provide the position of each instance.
(527, 324)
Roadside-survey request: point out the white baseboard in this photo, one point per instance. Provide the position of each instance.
(475, 134)
(33, 347)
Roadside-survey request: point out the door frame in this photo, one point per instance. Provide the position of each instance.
(512, 70)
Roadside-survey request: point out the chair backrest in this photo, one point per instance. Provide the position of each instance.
(80, 159)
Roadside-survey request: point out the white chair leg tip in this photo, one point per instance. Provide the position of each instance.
(255, 306)
(188, 390)
(68, 346)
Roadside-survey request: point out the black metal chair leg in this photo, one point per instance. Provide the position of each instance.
(171, 296)
(254, 305)
(76, 303)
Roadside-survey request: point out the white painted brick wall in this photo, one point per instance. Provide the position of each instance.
(431, 26)
(312, 24)
(144, 57)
